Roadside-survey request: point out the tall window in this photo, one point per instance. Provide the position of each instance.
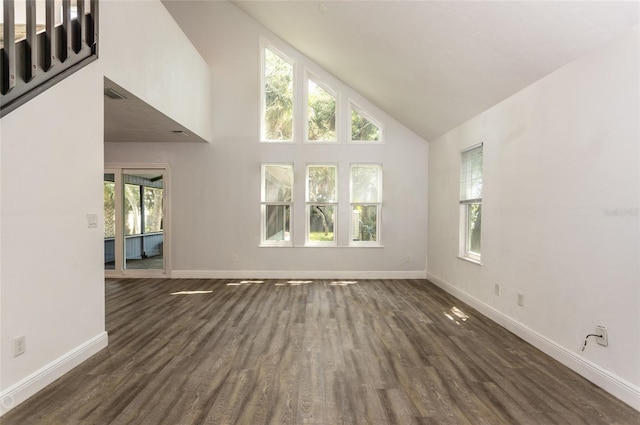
(471, 203)
(322, 197)
(321, 113)
(363, 127)
(277, 97)
(366, 201)
(277, 203)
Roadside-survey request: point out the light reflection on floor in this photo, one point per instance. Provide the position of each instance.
(245, 282)
(459, 314)
(291, 282)
(343, 282)
(190, 292)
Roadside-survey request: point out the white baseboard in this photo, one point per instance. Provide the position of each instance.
(19, 392)
(613, 384)
(293, 274)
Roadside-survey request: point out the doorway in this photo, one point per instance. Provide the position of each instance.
(136, 231)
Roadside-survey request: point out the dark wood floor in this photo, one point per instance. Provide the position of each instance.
(372, 352)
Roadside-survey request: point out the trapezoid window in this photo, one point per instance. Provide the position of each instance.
(364, 128)
(321, 113)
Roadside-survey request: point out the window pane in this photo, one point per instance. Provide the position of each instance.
(152, 210)
(366, 183)
(471, 174)
(321, 221)
(278, 219)
(322, 113)
(474, 221)
(278, 97)
(364, 223)
(362, 129)
(278, 183)
(321, 183)
(132, 209)
(109, 206)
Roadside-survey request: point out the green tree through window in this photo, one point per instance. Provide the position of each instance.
(278, 97)
(362, 128)
(322, 113)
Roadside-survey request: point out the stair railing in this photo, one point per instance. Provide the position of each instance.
(48, 52)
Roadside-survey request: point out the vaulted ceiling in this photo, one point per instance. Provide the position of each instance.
(433, 65)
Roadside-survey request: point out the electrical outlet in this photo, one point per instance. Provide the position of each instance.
(234, 258)
(408, 259)
(496, 289)
(19, 346)
(602, 338)
(521, 299)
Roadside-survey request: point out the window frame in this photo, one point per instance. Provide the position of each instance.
(466, 203)
(310, 76)
(264, 204)
(378, 205)
(264, 45)
(354, 107)
(309, 204)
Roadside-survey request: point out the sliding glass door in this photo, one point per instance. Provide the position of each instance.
(135, 222)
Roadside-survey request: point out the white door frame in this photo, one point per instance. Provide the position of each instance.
(118, 170)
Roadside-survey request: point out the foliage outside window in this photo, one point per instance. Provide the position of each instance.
(277, 114)
(152, 209)
(142, 202)
(366, 202)
(277, 203)
(132, 210)
(109, 209)
(363, 128)
(321, 111)
(321, 204)
(471, 203)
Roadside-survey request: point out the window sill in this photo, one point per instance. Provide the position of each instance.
(471, 260)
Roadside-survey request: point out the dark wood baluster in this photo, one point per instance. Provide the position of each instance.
(31, 63)
(9, 56)
(65, 51)
(50, 38)
(80, 37)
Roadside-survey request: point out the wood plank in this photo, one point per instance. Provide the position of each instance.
(375, 352)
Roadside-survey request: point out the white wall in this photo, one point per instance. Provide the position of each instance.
(216, 188)
(51, 169)
(560, 214)
(143, 50)
(52, 284)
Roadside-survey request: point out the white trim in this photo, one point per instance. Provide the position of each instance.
(22, 390)
(467, 149)
(610, 382)
(470, 259)
(296, 274)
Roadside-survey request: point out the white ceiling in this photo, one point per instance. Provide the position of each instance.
(435, 64)
(129, 119)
